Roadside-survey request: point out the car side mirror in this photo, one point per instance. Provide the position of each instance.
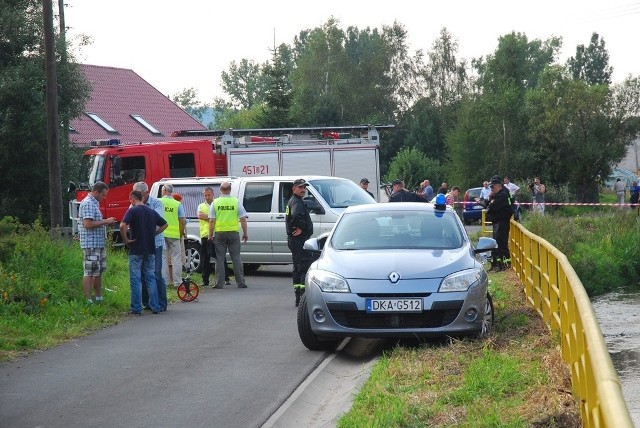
(485, 244)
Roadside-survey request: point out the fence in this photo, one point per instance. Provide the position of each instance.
(555, 291)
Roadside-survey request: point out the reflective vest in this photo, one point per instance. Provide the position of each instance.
(171, 216)
(226, 209)
(204, 224)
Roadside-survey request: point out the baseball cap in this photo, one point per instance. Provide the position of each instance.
(300, 182)
(496, 179)
(398, 181)
(364, 180)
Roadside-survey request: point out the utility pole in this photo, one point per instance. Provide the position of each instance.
(53, 124)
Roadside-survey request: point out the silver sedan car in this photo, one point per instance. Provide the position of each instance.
(395, 270)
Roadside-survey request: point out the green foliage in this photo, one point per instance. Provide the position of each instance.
(41, 298)
(591, 64)
(603, 249)
(23, 142)
(413, 166)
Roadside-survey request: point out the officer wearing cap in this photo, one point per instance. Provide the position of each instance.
(499, 212)
(299, 229)
(400, 194)
(364, 183)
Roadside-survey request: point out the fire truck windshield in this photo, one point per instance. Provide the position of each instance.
(91, 170)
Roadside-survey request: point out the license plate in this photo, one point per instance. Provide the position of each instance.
(394, 305)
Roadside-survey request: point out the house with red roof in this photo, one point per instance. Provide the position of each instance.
(125, 106)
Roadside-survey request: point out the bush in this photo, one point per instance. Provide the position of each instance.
(604, 248)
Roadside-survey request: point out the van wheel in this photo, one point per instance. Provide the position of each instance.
(250, 268)
(193, 252)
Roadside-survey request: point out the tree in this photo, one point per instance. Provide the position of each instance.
(492, 130)
(245, 83)
(188, 100)
(275, 113)
(591, 64)
(23, 142)
(581, 131)
(432, 117)
(413, 166)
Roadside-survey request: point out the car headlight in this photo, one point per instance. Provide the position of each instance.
(328, 282)
(460, 281)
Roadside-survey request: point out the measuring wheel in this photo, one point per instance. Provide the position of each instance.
(188, 291)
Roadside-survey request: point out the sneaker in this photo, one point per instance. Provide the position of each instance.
(146, 308)
(227, 282)
(135, 313)
(98, 299)
(242, 286)
(89, 302)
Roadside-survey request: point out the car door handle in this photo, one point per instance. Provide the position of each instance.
(280, 217)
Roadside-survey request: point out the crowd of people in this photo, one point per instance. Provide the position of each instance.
(154, 229)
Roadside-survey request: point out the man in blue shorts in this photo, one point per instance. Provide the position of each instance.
(92, 230)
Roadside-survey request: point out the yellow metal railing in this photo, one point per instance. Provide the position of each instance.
(486, 227)
(555, 291)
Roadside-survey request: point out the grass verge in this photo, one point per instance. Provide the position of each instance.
(513, 378)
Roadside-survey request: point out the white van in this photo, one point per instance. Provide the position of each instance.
(265, 199)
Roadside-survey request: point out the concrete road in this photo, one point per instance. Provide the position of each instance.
(229, 360)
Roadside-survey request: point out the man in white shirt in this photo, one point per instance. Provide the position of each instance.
(513, 188)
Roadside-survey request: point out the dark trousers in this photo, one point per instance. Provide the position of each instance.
(208, 252)
(301, 258)
(162, 286)
(501, 235)
(205, 259)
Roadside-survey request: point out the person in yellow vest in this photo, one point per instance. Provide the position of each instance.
(207, 250)
(225, 220)
(174, 215)
(178, 197)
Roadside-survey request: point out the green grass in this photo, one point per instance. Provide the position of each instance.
(42, 303)
(514, 378)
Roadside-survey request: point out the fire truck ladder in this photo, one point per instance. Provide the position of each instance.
(234, 138)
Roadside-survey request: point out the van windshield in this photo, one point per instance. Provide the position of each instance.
(341, 193)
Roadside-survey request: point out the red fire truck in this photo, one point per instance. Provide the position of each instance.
(346, 151)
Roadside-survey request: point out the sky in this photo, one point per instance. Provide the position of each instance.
(188, 43)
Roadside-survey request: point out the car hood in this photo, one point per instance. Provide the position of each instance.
(410, 264)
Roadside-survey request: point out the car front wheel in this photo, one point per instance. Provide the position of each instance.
(487, 319)
(193, 252)
(308, 337)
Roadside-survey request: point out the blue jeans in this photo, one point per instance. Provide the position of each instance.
(140, 266)
(160, 284)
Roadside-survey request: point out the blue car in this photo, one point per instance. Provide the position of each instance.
(472, 210)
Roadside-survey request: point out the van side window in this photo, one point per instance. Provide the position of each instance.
(258, 197)
(182, 165)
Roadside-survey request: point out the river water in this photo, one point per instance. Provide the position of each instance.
(618, 314)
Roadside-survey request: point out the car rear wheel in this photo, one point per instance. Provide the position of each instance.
(487, 319)
(308, 337)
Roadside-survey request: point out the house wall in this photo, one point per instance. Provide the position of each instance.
(632, 160)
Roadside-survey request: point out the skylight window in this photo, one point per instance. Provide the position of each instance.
(146, 124)
(97, 119)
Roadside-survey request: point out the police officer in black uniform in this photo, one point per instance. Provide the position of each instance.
(499, 212)
(299, 229)
(400, 194)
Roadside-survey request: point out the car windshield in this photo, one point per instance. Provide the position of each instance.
(341, 193)
(399, 229)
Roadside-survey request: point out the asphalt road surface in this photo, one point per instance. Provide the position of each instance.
(229, 360)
